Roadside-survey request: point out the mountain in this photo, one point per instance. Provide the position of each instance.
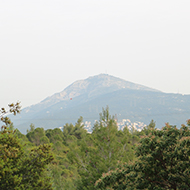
(87, 97)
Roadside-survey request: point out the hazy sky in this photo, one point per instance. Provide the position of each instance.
(45, 45)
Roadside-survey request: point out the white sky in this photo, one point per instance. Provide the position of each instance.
(45, 45)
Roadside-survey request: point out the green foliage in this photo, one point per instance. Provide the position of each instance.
(62, 172)
(37, 136)
(32, 127)
(20, 169)
(33, 170)
(11, 153)
(148, 128)
(13, 108)
(99, 152)
(54, 135)
(163, 158)
(123, 177)
(44, 140)
(78, 130)
(104, 159)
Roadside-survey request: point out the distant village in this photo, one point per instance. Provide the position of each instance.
(138, 126)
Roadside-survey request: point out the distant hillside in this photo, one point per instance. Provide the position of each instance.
(87, 97)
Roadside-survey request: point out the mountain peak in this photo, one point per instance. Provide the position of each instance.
(92, 87)
(87, 97)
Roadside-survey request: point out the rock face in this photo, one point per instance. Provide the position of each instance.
(92, 87)
(87, 97)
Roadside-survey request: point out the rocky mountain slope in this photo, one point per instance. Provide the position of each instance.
(86, 98)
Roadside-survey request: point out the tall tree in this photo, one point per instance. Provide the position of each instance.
(99, 152)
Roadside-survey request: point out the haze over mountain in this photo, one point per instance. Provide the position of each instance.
(87, 97)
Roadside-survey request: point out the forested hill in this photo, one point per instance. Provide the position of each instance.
(72, 159)
(87, 97)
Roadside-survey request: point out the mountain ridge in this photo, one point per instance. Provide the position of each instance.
(107, 80)
(78, 87)
(87, 97)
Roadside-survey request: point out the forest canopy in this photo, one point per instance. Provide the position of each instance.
(108, 158)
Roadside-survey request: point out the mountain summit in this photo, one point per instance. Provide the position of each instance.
(87, 97)
(91, 87)
(94, 86)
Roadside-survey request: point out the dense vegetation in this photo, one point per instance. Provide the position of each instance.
(71, 158)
